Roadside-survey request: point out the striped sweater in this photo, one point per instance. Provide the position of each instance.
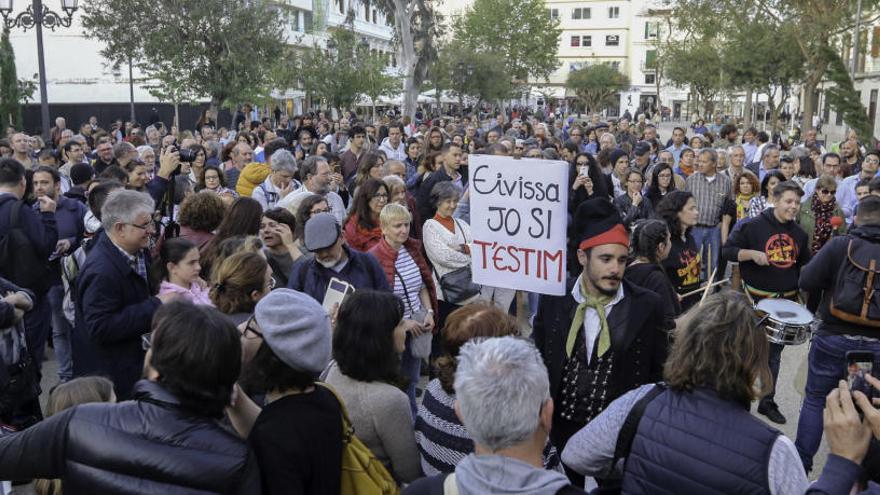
(443, 441)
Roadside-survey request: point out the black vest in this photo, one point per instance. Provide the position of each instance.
(698, 443)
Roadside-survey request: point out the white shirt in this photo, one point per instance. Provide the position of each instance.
(592, 325)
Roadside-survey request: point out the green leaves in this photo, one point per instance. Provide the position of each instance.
(520, 32)
(340, 75)
(596, 86)
(225, 49)
(10, 88)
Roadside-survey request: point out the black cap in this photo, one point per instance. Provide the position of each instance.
(642, 148)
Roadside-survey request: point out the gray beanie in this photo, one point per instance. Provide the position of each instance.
(296, 328)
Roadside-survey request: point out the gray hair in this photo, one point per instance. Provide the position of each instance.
(501, 383)
(386, 167)
(310, 166)
(124, 206)
(144, 148)
(713, 155)
(767, 149)
(443, 191)
(735, 147)
(283, 161)
(121, 148)
(393, 181)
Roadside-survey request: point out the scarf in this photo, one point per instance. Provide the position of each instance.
(598, 303)
(823, 228)
(743, 202)
(687, 171)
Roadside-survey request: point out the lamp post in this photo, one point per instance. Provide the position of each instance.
(39, 16)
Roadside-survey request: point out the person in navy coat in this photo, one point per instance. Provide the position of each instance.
(114, 303)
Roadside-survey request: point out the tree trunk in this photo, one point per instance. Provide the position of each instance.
(747, 111)
(408, 57)
(214, 110)
(177, 115)
(809, 90)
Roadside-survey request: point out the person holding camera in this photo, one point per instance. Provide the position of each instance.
(849, 438)
(840, 331)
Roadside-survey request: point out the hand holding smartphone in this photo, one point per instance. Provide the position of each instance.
(859, 364)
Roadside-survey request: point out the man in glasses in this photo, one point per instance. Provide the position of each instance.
(114, 304)
(846, 190)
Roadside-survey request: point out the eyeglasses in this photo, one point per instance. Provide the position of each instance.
(826, 191)
(147, 226)
(147, 341)
(250, 332)
(635, 181)
(322, 210)
(381, 196)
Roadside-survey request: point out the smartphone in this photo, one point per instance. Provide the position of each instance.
(584, 170)
(337, 291)
(859, 364)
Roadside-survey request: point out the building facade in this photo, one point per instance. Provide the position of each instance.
(78, 75)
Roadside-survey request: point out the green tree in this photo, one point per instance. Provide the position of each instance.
(343, 70)
(482, 76)
(696, 65)
(417, 28)
(10, 94)
(223, 49)
(814, 26)
(376, 82)
(752, 61)
(520, 31)
(596, 86)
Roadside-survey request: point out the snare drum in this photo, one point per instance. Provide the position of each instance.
(787, 322)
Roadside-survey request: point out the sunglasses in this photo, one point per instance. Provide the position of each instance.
(826, 191)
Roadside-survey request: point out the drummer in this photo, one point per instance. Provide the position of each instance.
(771, 250)
(835, 337)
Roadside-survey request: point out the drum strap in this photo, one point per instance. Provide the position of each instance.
(768, 294)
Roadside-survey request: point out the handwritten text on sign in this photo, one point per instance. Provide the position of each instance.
(518, 220)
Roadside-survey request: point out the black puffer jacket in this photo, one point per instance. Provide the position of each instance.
(144, 446)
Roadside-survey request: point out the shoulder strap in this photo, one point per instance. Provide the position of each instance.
(405, 291)
(347, 428)
(631, 425)
(462, 231)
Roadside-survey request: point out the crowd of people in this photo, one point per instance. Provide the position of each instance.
(252, 310)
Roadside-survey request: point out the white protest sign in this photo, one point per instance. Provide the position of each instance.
(518, 219)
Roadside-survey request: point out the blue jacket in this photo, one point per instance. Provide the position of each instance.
(732, 446)
(114, 307)
(69, 216)
(362, 271)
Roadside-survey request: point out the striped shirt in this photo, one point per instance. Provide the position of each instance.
(709, 195)
(406, 268)
(443, 441)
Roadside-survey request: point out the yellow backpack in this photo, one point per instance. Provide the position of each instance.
(362, 473)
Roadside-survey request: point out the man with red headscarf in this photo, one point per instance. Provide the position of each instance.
(606, 336)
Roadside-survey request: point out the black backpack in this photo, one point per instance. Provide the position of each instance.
(855, 299)
(19, 261)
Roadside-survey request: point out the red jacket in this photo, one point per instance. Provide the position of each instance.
(359, 238)
(387, 257)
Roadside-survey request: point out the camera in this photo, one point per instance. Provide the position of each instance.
(186, 155)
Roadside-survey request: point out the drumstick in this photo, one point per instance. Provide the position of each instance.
(713, 284)
(708, 286)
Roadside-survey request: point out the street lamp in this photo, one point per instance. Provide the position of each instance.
(39, 16)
